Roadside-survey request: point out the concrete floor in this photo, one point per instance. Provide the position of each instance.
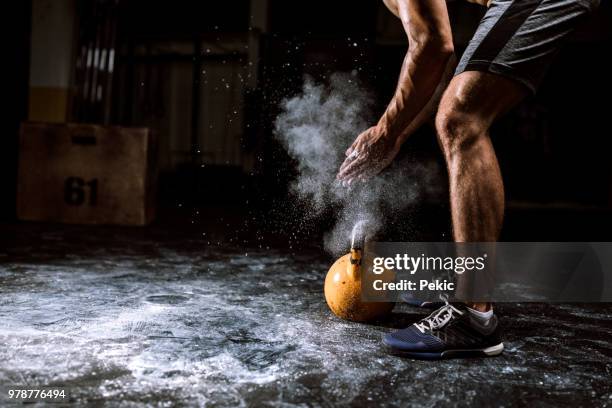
(124, 317)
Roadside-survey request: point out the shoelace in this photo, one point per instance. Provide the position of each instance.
(438, 318)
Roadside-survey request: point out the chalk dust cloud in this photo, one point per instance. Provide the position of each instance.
(316, 126)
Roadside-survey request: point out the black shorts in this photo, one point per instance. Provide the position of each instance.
(519, 38)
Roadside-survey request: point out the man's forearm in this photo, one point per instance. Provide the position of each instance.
(425, 69)
(429, 110)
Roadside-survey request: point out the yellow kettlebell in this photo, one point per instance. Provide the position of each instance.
(344, 285)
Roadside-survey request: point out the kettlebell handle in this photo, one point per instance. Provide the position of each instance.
(357, 244)
(358, 235)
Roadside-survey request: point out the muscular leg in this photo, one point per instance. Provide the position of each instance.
(471, 103)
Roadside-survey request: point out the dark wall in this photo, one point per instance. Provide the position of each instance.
(16, 63)
(165, 18)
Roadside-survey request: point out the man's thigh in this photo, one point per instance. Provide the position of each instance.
(481, 96)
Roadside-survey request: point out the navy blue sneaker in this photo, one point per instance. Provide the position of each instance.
(450, 331)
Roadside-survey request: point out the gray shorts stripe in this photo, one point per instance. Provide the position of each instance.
(519, 38)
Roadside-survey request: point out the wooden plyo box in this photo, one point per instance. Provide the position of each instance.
(86, 174)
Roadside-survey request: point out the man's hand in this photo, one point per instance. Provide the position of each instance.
(371, 152)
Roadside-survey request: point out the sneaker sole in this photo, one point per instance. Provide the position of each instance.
(439, 355)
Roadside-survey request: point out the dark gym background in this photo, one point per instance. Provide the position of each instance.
(219, 302)
(207, 78)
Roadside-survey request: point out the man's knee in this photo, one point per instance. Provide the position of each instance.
(457, 126)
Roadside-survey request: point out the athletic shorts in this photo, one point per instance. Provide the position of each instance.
(518, 39)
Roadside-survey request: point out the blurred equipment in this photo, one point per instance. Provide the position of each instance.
(95, 60)
(345, 284)
(86, 174)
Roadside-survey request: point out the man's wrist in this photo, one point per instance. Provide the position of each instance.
(389, 131)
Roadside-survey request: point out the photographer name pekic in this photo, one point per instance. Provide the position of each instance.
(414, 285)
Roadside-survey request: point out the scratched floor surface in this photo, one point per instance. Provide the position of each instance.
(119, 318)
